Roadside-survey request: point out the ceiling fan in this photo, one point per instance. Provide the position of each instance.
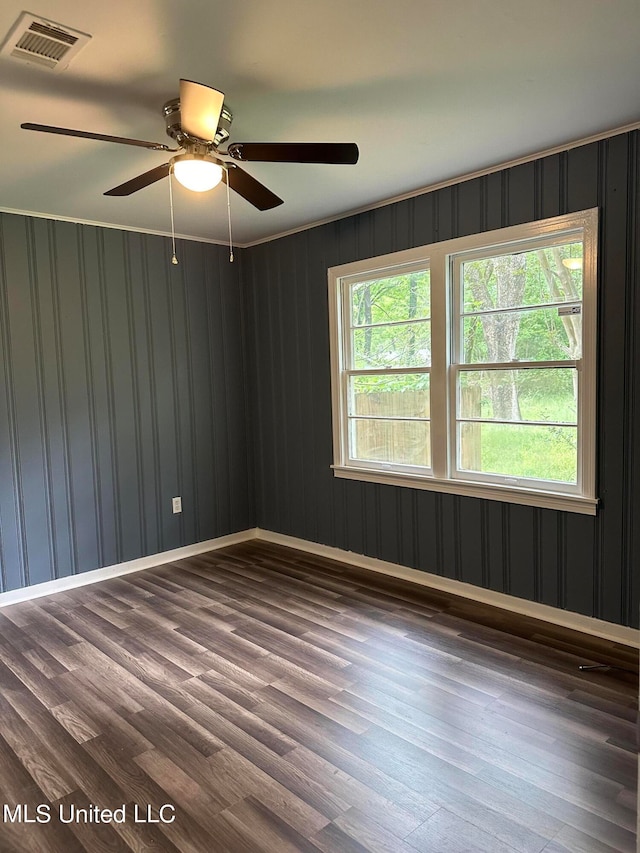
(199, 122)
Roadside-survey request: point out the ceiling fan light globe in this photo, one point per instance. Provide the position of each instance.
(197, 173)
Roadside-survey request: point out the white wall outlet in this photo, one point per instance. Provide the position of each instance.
(177, 504)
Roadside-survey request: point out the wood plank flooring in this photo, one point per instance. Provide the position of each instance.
(282, 702)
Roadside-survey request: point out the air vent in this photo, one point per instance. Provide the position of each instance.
(44, 43)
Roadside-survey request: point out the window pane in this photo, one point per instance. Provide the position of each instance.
(407, 345)
(543, 334)
(545, 394)
(517, 450)
(386, 300)
(402, 442)
(400, 395)
(535, 277)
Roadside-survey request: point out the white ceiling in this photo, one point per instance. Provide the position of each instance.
(428, 89)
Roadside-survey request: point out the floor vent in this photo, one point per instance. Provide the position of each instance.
(42, 42)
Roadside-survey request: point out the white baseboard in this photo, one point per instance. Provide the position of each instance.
(565, 618)
(37, 590)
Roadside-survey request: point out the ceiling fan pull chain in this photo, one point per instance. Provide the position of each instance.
(229, 219)
(174, 259)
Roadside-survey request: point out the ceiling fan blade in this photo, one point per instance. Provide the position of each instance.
(84, 134)
(250, 189)
(200, 108)
(295, 152)
(141, 181)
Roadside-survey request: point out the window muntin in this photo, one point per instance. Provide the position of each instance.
(537, 442)
(488, 387)
(387, 357)
(521, 305)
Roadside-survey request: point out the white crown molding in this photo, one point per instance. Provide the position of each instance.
(114, 227)
(545, 613)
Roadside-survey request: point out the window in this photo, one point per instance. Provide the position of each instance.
(469, 366)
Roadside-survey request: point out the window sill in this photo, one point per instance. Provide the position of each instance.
(506, 494)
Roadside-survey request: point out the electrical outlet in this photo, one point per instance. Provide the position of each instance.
(177, 504)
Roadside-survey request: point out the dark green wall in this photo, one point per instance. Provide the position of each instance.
(585, 564)
(122, 384)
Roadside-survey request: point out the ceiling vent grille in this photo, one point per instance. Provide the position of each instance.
(44, 43)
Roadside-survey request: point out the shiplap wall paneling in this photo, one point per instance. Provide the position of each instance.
(123, 385)
(614, 426)
(585, 564)
(632, 473)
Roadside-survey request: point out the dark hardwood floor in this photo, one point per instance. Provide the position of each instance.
(282, 702)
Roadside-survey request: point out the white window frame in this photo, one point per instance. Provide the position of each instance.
(440, 258)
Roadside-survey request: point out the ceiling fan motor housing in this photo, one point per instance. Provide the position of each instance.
(171, 112)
